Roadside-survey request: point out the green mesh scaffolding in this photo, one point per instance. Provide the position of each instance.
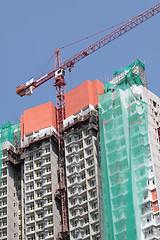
(124, 158)
(9, 132)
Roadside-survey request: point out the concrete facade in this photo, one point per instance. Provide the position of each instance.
(83, 173)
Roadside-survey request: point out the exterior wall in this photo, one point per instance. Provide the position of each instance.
(150, 217)
(83, 95)
(41, 213)
(38, 118)
(151, 214)
(83, 175)
(10, 200)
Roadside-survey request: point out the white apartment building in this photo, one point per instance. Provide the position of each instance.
(10, 197)
(40, 212)
(83, 173)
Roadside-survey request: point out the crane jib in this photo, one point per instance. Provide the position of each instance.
(22, 89)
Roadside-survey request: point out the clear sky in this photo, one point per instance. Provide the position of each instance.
(32, 30)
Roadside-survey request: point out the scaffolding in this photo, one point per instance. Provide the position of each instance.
(124, 157)
(10, 133)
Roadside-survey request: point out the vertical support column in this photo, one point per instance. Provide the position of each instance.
(60, 102)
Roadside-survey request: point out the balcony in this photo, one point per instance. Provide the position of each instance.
(29, 169)
(48, 223)
(29, 178)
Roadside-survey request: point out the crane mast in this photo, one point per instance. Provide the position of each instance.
(59, 75)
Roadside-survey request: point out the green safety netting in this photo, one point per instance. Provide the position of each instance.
(9, 132)
(129, 67)
(124, 158)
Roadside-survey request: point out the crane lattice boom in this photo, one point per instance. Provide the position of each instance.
(22, 90)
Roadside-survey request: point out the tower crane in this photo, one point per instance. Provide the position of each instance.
(59, 76)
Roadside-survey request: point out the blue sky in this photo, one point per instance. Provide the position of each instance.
(32, 30)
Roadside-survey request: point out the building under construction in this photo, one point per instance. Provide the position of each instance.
(111, 148)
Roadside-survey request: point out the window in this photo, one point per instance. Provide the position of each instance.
(4, 222)
(92, 183)
(50, 221)
(95, 228)
(4, 153)
(83, 176)
(40, 215)
(86, 219)
(38, 154)
(82, 165)
(31, 157)
(84, 197)
(49, 199)
(84, 187)
(40, 225)
(70, 159)
(89, 151)
(39, 204)
(79, 135)
(49, 189)
(50, 232)
(38, 173)
(48, 169)
(74, 223)
(87, 231)
(69, 149)
(88, 141)
(81, 155)
(73, 201)
(47, 159)
(86, 132)
(69, 139)
(4, 172)
(94, 205)
(4, 163)
(38, 164)
(31, 176)
(80, 145)
(32, 207)
(49, 210)
(72, 190)
(31, 167)
(71, 180)
(32, 228)
(48, 179)
(47, 149)
(38, 184)
(39, 194)
(154, 104)
(41, 236)
(70, 169)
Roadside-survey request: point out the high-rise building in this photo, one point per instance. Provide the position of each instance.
(111, 161)
(10, 183)
(41, 213)
(129, 125)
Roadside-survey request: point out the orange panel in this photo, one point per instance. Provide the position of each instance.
(154, 194)
(45, 115)
(155, 206)
(86, 93)
(38, 118)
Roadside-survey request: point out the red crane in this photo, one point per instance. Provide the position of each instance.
(58, 74)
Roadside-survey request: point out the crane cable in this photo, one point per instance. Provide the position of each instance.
(94, 34)
(41, 71)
